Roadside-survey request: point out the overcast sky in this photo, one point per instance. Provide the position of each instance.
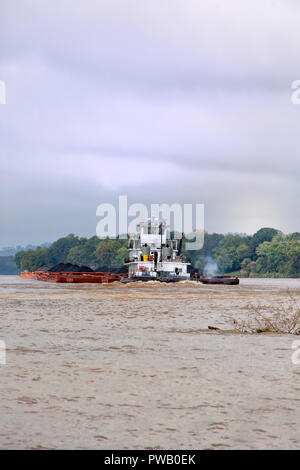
(163, 100)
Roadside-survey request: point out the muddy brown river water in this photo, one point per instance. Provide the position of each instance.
(135, 367)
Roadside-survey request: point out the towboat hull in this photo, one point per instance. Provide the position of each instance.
(168, 279)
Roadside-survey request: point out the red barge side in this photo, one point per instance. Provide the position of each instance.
(73, 277)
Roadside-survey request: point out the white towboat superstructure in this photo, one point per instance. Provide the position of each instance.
(154, 256)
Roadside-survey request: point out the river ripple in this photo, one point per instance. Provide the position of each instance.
(135, 367)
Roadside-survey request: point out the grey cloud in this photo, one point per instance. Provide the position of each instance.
(194, 95)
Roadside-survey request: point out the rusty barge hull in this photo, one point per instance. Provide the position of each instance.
(73, 277)
(225, 280)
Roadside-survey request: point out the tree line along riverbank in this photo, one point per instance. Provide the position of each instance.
(267, 253)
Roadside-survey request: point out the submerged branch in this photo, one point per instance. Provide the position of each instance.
(285, 318)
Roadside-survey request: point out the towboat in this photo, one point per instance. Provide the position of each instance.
(154, 256)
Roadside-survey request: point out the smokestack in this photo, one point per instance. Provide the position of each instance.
(180, 244)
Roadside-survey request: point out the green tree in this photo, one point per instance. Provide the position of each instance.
(18, 257)
(28, 261)
(85, 253)
(121, 255)
(107, 253)
(59, 250)
(246, 267)
(243, 251)
(279, 257)
(263, 235)
(230, 252)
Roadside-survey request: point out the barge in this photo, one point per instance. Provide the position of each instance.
(227, 280)
(73, 277)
